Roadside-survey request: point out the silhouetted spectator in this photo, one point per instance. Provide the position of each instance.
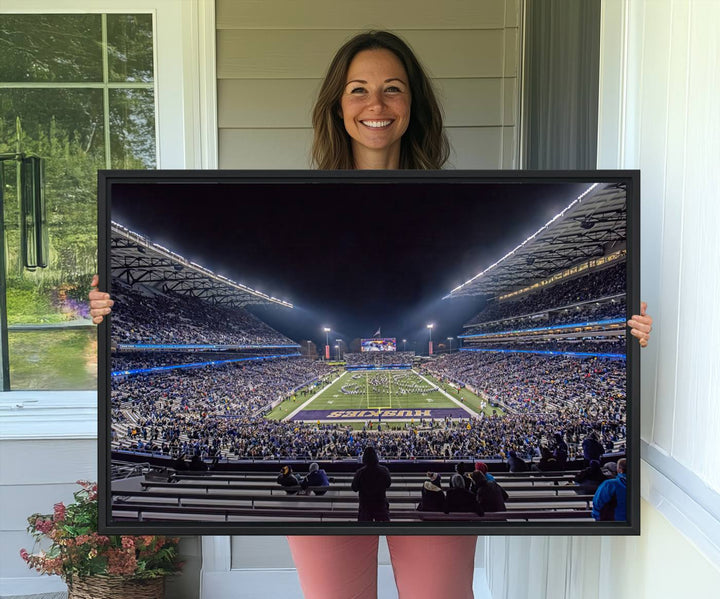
(179, 463)
(589, 479)
(462, 469)
(547, 462)
(433, 497)
(490, 495)
(459, 499)
(197, 465)
(592, 448)
(515, 463)
(371, 482)
(287, 479)
(560, 451)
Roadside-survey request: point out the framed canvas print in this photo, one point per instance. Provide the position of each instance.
(388, 352)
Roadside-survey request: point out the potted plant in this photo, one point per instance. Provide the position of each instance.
(95, 566)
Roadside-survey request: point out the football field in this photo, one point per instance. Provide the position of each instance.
(394, 395)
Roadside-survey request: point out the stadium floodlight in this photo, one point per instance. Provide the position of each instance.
(559, 215)
(327, 343)
(430, 328)
(404, 344)
(450, 339)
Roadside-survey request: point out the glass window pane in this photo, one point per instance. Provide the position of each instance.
(130, 47)
(132, 128)
(50, 118)
(56, 359)
(65, 127)
(51, 48)
(52, 341)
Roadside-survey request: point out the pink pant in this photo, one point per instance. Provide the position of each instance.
(334, 567)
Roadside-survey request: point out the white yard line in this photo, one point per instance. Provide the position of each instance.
(301, 407)
(450, 397)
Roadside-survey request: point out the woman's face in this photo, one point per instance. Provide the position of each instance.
(375, 103)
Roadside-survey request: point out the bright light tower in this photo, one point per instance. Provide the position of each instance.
(327, 343)
(339, 343)
(337, 353)
(450, 339)
(404, 344)
(430, 328)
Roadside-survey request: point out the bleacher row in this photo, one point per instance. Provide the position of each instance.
(579, 291)
(256, 497)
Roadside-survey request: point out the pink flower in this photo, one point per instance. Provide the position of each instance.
(44, 526)
(121, 562)
(128, 543)
(59, 512)
(24, 555)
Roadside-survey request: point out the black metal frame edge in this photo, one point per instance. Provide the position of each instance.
(105, 524)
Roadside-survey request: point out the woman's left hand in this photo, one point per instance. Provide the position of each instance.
(641, 325)
(100, 302)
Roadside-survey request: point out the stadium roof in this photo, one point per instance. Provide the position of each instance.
(135, 259)
(591, 226)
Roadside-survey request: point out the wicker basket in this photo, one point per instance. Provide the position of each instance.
(116, 587)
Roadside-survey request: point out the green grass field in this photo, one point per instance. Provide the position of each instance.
(394, 389)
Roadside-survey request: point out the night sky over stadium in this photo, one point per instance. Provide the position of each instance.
(354, 257)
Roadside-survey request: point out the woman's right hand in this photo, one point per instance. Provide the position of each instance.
(100, 302)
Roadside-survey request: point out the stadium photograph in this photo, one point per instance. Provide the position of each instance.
(407, 352)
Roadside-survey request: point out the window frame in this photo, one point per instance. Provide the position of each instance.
(184, 78)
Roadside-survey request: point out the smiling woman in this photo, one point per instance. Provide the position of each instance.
(363, 109)
(375, 108)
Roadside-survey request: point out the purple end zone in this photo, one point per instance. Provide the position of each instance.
(437, 413)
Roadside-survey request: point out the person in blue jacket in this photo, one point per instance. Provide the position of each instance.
(610, 500)
(316, 478)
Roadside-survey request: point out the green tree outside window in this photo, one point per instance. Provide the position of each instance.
(81, 88)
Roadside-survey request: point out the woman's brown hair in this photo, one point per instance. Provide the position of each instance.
(424, 144)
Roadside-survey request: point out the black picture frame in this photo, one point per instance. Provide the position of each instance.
(109, 182)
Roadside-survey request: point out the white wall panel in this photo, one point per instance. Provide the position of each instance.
(652, 118)
(265, 148)
(337, 14)
(698, 377)
(271, 53)
(474, 147)
(260, 552)
(23, 462)
(288, 103)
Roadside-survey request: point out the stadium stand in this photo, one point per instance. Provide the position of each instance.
(253, 496)
(149, 316)
(584, 292)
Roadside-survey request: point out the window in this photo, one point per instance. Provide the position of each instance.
(77, 90)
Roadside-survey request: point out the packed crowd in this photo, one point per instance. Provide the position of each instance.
(128, 360)
(597, 284)
(608, 345)
(167, 318)
(541, 384)
(218, 411)
(168, 405)
(589, 312)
